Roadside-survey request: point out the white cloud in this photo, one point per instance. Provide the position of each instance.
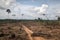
(4, 4)
(41, 9)
(30, 12)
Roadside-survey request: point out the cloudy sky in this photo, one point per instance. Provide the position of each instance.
(30, 9)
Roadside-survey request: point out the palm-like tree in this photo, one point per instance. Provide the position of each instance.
(22, 15)
(8, 11)
(13, 15)
(45, 16)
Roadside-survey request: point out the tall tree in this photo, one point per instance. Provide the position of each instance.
(8, 10)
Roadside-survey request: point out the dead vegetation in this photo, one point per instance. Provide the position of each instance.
(45, 30)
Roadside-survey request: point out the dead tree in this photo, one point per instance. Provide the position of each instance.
(29, 32)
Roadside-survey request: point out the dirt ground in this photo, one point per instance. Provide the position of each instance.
(41, 30)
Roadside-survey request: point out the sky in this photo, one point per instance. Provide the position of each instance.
(30, 9)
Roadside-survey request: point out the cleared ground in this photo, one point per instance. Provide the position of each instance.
(42, 30)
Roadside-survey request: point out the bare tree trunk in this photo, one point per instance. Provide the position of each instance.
(29, 32)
